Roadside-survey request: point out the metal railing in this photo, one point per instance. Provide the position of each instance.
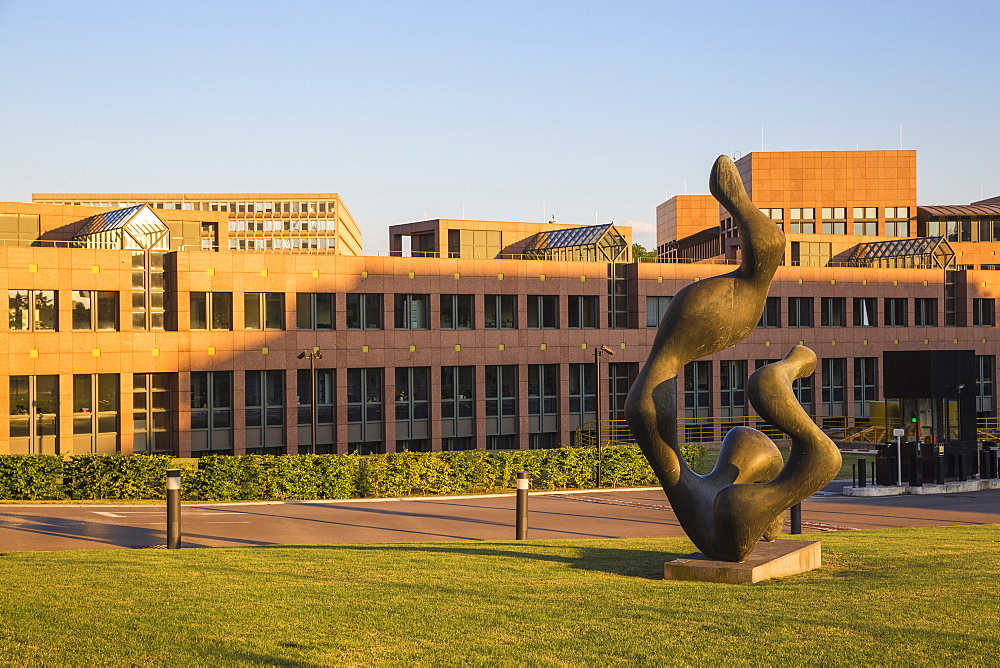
(714, 429)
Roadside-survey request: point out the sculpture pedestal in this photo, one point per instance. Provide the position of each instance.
(778, 559)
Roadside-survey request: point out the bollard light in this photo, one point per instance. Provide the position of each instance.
(523, 483)
(173, 509)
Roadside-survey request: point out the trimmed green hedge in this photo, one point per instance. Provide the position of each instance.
(275, 478)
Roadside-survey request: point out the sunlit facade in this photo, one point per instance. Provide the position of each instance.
(141, 329)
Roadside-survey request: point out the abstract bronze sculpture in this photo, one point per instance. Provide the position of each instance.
(726, 512)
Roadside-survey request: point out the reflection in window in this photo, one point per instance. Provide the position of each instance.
(32, 310)
(314, 310)
(456, 311)
(212, 310)
(95, 411)
(264, 310)
(34, 414)
(500, 311)
(411, 311)
(364, 311)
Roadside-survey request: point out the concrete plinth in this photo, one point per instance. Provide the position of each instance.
(768, 560)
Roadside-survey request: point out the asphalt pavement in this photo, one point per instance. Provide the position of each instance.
(565, 515)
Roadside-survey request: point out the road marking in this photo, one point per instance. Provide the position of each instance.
(97, 512)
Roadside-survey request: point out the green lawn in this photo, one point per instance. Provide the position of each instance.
(903, 596)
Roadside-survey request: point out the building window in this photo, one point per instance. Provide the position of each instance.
(833, 311)
(265, 411)
(618, 295)
(989, 229)
(413, 408)
(777, 215)
(621, 375)
(895, 312)
(264, 310)
(803, 389)
(865, 382)
(866, 220)
(543, 405)
(412, 311)
(543, 311)
(582, 311)
(95, 310)
(983, 312)
(148, 290)
(314, 310)
(897, 221)
(834, 376)
(811, 253)
(865, 312)
(212, 310)
(698, 402)
(803, 220)
(212, 412)
(800, 311)
(33, 310)
(458, 419)
(152, 413)
(984, 385)
(364, 311)
(364, 411)
(834, 220)
(325, 398)
(732, 392)
(925, 312)
(582, 396)
(771, 316)
(501, 407)
(456, 311)
(500, 311)
(95, 413)
(655, 308)
(34, 414)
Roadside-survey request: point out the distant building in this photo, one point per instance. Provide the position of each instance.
(255, 221)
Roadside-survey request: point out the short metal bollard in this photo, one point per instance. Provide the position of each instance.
(523, 483)
(862, 472)
(797, 518)
(173, 509)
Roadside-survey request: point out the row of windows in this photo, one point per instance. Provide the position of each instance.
(865, 313)
(833, 220)
(280, 244)
(234, 207)
(266, 310)
(37, 310)
(270, 225)
(964, 228)
(35, 407)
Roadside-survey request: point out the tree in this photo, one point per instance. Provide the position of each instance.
(640, 254)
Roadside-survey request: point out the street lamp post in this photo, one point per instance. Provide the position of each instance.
(312, 356)
(597, 387)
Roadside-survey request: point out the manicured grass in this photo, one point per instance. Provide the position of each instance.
(902, 596)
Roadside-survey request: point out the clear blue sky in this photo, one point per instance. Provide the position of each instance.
(420, 109)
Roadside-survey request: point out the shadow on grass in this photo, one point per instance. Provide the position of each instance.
(645, 564)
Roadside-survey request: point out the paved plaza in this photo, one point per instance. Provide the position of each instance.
(567, 515)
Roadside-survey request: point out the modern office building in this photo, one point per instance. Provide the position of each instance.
(129, 332)
(290, 222)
